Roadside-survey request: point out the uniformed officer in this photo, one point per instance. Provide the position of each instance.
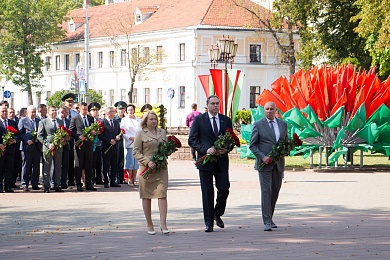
(120, 113)
(93, 109)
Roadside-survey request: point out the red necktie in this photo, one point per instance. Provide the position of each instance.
(215, 126)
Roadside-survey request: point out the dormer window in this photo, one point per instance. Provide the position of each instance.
(71, 27)
(138, 18)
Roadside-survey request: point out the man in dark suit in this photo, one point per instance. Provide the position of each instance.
(30, 148)
(69, 102)
(266, 133)
(18, 155)
(84, 152)
(110, 138)
(8, 151)
(63, 115)
(120, 113)
(93, 109)
(204, 132)
(46, 130)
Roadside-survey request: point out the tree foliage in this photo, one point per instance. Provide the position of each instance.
(374, 26)
(329, 36)
(27, 28)
(56, 98)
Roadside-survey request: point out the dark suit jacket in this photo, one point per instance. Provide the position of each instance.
(26, 127)
(46, 132)
(202, 138)
(262, 140)
(10, 149)
(70, 143)
(77, 127)
(109, 133)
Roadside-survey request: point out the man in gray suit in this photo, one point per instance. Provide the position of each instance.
(46, 129)
(266, 133)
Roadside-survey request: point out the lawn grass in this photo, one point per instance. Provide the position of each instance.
(369, 160)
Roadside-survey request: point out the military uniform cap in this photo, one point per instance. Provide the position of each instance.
(120, 104)
(69, 97)
(94, 106)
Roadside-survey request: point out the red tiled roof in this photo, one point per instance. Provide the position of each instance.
(78, 19)
(118, 19)
(148, 9)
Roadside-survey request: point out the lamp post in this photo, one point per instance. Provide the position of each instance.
(2, 82)
(225, 50)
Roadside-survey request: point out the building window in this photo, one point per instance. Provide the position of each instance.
(135, 96)
(182, 51)
(76, 59)
(58, 62)
(66, 62)
(138, 18)
(147, 95)
(254, 93)
(134, 56)
(146, 54)
(123, 94)
(159, 54)
(112, 96)
(182, 94)
(255, 53)
(71, 27)
(159, 95)
(123, 57)
(100, 59)
(48, 94)
(47, 63)
(112, 59)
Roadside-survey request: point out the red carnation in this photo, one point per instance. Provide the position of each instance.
(11, 129)
(66, 130)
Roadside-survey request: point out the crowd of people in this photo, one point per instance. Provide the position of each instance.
(30, 150)
(122, 144)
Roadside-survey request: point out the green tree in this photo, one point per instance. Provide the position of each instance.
(374, 26)
(27, 28)
(329, 35)
(56, 98)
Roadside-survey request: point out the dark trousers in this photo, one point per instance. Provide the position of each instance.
(31, 167)
(222, 184)
(83, 160)
(121, 162)
(17, 164)
(71, 174)
(110, 162)
(270, 184)
(6, 170)
(97, 165)
(65, 167)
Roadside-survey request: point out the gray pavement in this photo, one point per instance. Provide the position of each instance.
(319, 216)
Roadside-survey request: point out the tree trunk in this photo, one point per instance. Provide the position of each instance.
(30, 99)
(130, 93)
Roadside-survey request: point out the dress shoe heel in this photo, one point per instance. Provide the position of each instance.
(219, 221)
(151, 232)
(165, 231)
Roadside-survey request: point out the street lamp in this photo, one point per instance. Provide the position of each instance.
(224, 50)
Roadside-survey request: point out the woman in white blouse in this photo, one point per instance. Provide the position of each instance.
(131, 124)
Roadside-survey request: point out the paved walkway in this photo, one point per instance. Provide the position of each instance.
(320, 216)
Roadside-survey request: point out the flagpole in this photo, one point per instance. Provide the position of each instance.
(86, 47)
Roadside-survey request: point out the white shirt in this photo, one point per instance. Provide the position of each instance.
(216, 119)
(131, 127)
(276, 127)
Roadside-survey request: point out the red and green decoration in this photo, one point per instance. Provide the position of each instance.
(334, 107)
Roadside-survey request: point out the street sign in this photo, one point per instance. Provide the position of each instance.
(82, 74)
(82, 89)
(171, 93)
(7, 94)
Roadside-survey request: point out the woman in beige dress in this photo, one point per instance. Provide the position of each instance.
(145, 145)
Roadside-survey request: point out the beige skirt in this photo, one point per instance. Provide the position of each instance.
(155, 186)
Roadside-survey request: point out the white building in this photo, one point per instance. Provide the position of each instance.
(182, 30)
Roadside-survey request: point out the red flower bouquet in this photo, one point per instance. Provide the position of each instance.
(61, 135)
(160, 157)
(89, 134)
(282, 148)
(9, 137)
(120, 134)
(224, 142)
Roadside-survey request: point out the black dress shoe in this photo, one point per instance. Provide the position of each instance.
(71, 183)
(113, 184)
(64, 187)
(99, 183)
(209, 228)
(8, 190)
(14, 186)
(106, 185)
(91, 188)
(58, 189)
(79, 188)
(35, 188)
(26, 189)
(46, 190)
(219, 221)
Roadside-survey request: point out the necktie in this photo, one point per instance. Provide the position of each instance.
(215, 126)
(85, 122)
(55, 125)
(70, 115)
(5, 123)
(111, 123)
(271, 124)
